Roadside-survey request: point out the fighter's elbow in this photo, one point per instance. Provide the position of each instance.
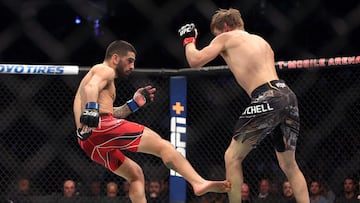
(194, 64)
(196, 61)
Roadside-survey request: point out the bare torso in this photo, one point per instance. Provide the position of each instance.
(250, 58)
(103, 77)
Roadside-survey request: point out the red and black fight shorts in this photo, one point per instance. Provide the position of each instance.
(273, 110)
(105, 145)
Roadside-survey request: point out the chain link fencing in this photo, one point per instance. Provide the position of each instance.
(37, 128)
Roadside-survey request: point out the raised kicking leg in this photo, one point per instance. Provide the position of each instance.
(153, 144)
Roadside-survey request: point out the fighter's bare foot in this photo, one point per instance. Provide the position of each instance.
(212, 186)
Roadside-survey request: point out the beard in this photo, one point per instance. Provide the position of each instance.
(120, 73)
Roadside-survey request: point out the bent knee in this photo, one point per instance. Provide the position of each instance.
(136, 174)
(230, 156)
(130, 171)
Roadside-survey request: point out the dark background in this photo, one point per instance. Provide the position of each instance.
(44, 31)
(36, 120)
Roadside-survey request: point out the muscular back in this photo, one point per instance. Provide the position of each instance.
(249, 57)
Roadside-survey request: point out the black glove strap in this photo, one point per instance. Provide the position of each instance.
(82, 135)
(146, 95)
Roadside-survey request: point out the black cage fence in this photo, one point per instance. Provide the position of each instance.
(36, 121)
(37, 128)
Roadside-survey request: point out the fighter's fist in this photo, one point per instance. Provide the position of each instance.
(90, 116)
(188, 33)
(142, 96)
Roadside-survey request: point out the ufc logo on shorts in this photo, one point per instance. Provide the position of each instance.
(280, 85)
(186, 28)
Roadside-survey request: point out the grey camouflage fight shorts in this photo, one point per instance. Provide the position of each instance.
(273, 110)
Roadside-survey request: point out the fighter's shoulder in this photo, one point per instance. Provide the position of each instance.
(100, 66)
(231, 35)
(102, 69)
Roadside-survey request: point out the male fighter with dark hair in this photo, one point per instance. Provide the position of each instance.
(103, 133)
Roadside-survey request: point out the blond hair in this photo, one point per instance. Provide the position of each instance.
(231, 17)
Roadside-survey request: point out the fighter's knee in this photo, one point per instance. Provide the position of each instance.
(137, 174)
(230, 156)
(227, 155)
(131, 172)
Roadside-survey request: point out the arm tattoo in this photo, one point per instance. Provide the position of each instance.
(121, 111)
(170, 165)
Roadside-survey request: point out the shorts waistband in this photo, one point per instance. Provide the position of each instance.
(271, 85)
(105, 114)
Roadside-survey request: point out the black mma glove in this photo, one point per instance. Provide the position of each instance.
(83, 135)
(141, 97)
(90, 119)
(90, 116)
(188, 34)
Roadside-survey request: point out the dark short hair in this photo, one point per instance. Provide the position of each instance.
(119, 47)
